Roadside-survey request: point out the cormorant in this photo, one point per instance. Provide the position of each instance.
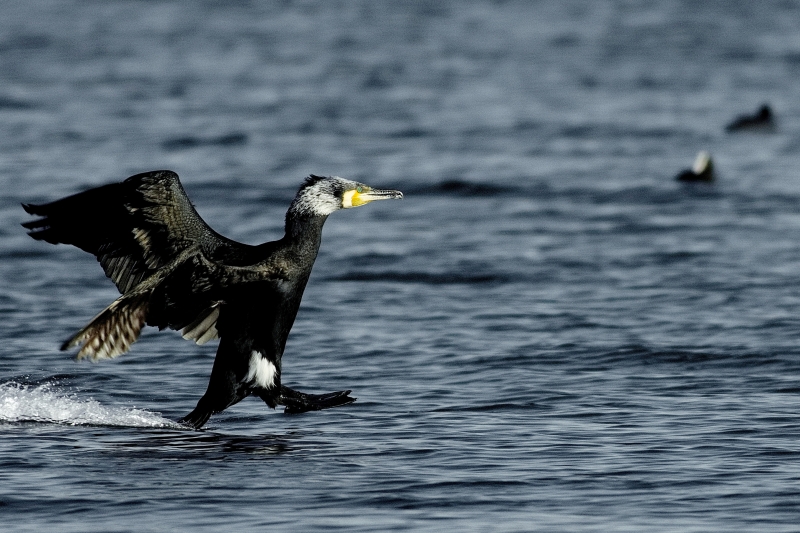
(174, 271)
(702, 170)
(764, 120)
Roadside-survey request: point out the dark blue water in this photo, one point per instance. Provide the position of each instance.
(548, 334)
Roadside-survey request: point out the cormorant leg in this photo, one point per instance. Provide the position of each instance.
(300, 402)
(225, 388)
(218, 397)
(214, 401)
(199, 416)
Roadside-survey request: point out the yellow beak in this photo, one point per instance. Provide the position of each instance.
(354, 198)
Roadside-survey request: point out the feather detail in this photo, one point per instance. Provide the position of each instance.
(111, 333)
(203, 328)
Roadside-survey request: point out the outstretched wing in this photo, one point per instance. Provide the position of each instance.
(133, 228)
(202, 298)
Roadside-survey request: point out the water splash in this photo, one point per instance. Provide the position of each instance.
(43, 403)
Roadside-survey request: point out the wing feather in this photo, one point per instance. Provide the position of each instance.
(133, 228)
(204, 327)
(190, 294)
(172, 269)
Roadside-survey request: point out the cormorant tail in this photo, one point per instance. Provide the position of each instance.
(112, 332)
(300, 402)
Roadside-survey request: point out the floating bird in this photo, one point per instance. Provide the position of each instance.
(174, 271)
(764, 120)
(702, 170)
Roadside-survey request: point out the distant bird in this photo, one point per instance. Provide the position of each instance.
(764, 121)
(702, 170)
(174, 271)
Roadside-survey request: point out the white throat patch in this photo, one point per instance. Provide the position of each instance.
(318, 199)
(261, 371)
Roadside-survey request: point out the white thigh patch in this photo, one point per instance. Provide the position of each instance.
(261, 371)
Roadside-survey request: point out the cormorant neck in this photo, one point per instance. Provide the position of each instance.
(304, 230)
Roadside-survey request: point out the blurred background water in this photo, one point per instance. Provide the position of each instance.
(548, 334)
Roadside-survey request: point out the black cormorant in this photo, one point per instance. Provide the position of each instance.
(702, 170)
(174, 271)
(764, 121)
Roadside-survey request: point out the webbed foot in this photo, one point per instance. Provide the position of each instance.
(300, 402)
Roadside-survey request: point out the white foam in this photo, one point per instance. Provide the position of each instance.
(43, 403)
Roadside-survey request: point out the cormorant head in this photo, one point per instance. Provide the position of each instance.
(321, 196)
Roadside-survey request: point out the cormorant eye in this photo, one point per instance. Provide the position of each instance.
(359, 190)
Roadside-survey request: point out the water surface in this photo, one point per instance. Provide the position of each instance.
(548, 334)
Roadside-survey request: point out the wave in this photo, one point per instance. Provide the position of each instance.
(462, 188)
(14, 104)
(183, 143)
(44, 403)
(423, 278)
